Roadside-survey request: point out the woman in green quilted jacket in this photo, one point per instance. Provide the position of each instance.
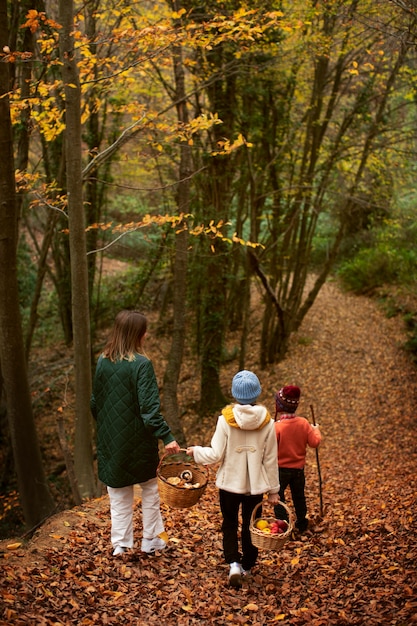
(126, 405)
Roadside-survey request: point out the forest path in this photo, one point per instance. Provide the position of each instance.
(357, 567)
(349, 362)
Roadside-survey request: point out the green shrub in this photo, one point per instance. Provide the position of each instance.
(48, 328)
(388, 262)
(368, 270)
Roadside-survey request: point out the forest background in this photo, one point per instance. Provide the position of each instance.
(225, 156)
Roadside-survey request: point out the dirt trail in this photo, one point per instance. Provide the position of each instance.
(358, 567)
(352, 369)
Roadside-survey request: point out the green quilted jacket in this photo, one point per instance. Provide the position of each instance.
(125, 403)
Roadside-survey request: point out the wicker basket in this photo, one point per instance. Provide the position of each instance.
(266, 541)
(177, 496)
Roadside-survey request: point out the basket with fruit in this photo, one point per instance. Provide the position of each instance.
(269, 533)
(181, 482)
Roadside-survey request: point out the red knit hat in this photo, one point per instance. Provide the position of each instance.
(287, 398)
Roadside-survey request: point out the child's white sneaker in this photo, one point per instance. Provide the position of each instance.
(119, 550)
(235, 575)
(152, 545)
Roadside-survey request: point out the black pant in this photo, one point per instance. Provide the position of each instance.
(295, 479)
(229, 506)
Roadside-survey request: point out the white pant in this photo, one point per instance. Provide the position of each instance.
(121, 511)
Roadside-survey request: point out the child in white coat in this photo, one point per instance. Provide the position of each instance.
(245, 444)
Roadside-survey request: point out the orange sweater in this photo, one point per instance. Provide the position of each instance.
(294, 434)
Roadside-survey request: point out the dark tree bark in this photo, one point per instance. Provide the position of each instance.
(83, 453)
(218, 194)
(93, 136)
(34, 493)
(23, 76)
(173, 368)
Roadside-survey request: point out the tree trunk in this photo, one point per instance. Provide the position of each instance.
(213, 329)
(173, 367)
(36, 500)
(217, 206)
(83, 453)
(40, 275)
(22, 135)
(93, 141)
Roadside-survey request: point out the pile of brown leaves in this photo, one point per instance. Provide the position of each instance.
(356, 567)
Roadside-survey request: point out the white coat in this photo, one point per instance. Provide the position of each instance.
(245, 444)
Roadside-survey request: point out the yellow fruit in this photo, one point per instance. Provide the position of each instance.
(261, 524)
(266, 530)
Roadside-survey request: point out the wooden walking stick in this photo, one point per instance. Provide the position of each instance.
(318, 467)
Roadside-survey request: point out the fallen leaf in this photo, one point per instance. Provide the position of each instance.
(358, 564)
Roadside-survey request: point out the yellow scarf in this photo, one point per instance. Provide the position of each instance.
(230, 417)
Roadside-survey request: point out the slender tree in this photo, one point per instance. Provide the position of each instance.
(83, 453)
(173, 368)
(35, 496)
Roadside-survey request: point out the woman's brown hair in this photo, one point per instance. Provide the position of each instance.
(126, 337)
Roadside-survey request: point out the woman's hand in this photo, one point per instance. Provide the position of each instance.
(172, 448)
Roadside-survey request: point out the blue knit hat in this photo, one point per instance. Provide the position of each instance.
(246, 387)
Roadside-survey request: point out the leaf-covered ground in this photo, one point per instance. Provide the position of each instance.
(358, 566)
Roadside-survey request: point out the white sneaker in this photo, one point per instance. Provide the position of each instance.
(152, 545)
(235, 574)
(119, 550)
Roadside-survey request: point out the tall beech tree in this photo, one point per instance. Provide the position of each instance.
(173, 368)
(83, 452)
(23, 74)
(34, 493)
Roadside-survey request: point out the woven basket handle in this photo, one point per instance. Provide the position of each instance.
(290, 515)
(203, 467)
(173, 454)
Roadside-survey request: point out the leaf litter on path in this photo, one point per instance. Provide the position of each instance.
(358, 565)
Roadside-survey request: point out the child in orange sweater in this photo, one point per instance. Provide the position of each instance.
(294, 434)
